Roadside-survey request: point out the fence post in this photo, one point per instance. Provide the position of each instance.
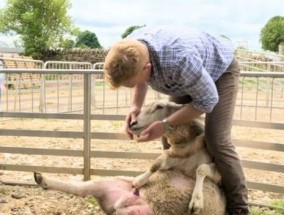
(281, 50)
(87, 125)
(42, 97)
(2, 78)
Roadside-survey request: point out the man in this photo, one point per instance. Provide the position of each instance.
(191, 67)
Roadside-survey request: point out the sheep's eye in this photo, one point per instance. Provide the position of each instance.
(159, 107)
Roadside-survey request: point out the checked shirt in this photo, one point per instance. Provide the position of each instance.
(186, 62)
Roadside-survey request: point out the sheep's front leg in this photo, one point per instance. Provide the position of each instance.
(163, 162)
(210, 170)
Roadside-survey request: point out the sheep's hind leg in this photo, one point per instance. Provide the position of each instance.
(79, 188)
(196, 203)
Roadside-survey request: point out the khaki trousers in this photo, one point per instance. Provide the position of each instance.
(218, 125)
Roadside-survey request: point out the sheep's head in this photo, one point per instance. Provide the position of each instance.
(155, 111)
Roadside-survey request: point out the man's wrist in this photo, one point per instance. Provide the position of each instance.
(167, 126)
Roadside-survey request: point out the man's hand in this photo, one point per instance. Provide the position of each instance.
(152, 132)
(131, 117)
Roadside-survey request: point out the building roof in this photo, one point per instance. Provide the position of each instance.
(5, 48)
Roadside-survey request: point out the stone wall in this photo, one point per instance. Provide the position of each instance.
(76, 54)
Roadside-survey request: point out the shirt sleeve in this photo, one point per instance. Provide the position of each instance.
(197, 82)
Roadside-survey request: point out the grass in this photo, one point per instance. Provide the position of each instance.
(279, 205)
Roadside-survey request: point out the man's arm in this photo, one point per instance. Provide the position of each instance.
(138, 95)
(156, 129)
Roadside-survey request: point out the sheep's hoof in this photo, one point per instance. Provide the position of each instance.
(194, 211)
(140, 180)
(38, 178)
(195, 207)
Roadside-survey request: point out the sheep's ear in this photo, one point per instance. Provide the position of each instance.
(175, 105)
(179, 105)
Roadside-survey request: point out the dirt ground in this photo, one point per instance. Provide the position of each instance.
(32, 200)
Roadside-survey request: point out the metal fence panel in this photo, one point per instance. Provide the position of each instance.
(109, 105)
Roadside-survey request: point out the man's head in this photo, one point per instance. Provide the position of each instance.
(125, 62)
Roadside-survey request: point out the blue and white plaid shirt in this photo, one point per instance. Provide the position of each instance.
(186, 62)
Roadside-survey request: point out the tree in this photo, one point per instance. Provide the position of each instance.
(67, 43)
(272, 34)
(130, 29)
(87, 39)
(41, 24)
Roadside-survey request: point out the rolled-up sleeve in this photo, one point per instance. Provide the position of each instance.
(195, 81)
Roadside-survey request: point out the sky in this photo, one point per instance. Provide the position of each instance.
(240, 20)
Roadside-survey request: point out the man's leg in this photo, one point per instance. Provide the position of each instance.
(218, 125)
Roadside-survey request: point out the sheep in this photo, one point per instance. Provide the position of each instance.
(172, 191)
(166, 193)
(187, 152)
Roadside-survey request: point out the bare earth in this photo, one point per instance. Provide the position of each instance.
(32, 200)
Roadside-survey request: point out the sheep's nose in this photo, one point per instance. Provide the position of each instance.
(132, 124)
